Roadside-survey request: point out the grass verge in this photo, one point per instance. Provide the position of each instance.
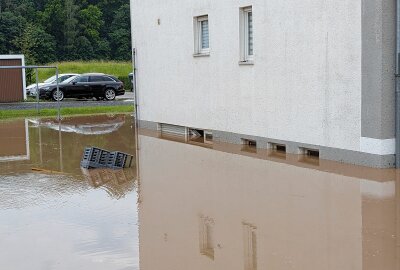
(9, 114)
(118, 69)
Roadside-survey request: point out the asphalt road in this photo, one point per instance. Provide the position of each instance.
(69, 103)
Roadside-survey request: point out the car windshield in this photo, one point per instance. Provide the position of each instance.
(50, 80)
(70, 79)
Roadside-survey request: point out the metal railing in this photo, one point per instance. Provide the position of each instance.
(36, 68)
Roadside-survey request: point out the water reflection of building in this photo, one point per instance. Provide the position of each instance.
(218, 210)
(206, 236)
(250, 246)
(14, 141)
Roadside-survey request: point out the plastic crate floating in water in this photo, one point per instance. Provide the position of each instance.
(98, 158)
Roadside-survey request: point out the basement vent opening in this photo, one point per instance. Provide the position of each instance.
(310, 156)
(200, 136)
(277, 151)
(250, 143)
(249, 146)
(278, 147)
(172, 132)
(172, 129)
(312, 153)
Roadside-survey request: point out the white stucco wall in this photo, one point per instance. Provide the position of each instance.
(304, 86)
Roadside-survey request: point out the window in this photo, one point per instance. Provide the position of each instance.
(71, 79)
(101, 79)
(50, 80)
(82, 79)
(96, 78)
(63, 78)
(108, 79)
(246, 34)
(112, 78)
(202, 35)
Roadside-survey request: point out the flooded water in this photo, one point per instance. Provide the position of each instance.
(53, 215)
(186, 204)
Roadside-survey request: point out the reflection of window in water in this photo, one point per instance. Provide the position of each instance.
(207, 237)
(250, 247)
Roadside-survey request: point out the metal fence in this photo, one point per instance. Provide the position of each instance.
(36, 68)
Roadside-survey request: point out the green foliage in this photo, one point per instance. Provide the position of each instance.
(91, 22)
(73, 30)
(11, 27)
(70, 30)
(37, 46)
(84, 48)
(127, 82)
(120, 34)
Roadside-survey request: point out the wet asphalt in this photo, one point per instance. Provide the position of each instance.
(68, 103)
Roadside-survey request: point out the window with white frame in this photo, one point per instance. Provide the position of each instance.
(246, 34)
(202, 35)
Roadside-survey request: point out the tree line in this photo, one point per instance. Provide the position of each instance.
(46, 31)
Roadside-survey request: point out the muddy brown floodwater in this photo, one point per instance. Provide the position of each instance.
(186, 204)
(59, 216)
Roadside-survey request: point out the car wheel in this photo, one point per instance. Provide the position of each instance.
(109, 94)
(57, 96)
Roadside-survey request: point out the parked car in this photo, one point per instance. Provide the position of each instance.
(94, 85)
(31, 90)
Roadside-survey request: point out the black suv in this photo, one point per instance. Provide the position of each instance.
(99, 86)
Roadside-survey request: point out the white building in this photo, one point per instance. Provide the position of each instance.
(307, 75)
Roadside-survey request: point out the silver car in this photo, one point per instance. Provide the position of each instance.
(31, 90)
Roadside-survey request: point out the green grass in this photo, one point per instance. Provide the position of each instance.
(9, 114)
(118, 69)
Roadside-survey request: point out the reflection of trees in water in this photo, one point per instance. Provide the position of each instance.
(73, 144)
(19, 187)
(117, 183)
